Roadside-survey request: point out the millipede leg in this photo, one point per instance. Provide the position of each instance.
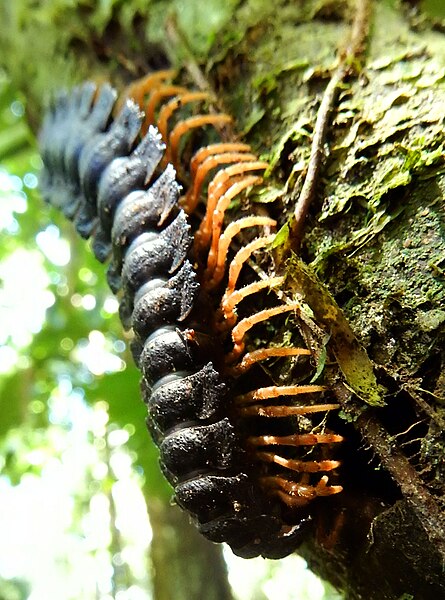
(299, 493)
(275, 391)
(294, 501)
(212, 149)
(250, 358)
(141, 87)
(192, 197)
(300, 439)
(229, 303)
(217, 187)
(165, 91)
(323, 489)
(226, 239)
(203, 235)
(241, 257)
(294, 494)
(171, 107)
(303, 466)
(279, 411)
(239, 331)
(218, 216)
(188, 125)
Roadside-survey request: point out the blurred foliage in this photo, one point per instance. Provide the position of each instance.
(13, 589)
(434, 8)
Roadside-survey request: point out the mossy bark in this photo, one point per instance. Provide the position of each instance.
(371, 265)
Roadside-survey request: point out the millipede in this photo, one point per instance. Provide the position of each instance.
(150, 176)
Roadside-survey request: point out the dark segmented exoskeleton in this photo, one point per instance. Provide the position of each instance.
(215, 431)
(69, 124)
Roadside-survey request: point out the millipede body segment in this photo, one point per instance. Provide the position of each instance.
(245, 459)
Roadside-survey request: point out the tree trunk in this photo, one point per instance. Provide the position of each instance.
(371, 262)
(185, 564)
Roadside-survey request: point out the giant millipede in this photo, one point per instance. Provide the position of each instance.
(243, 458)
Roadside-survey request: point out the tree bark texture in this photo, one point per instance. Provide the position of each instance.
(370, 268)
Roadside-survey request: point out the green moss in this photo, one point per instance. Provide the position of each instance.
(352, 359)
(395, 287)
(58, 43)
(367, 236)
(434, 8)
(384, 171)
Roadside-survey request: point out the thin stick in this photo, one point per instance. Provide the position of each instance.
(178, 40)
(348, 61)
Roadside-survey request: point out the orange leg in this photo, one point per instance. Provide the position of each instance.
(164, 91)
(295, 501)
(220, 148)
(137, 90)
(275, 391)
(192, 196)
(300, 439)
(323, 489)
(171, 107)
(204, 233)
(276, 411)
(306, 466)
(292, 493)
(218, 216)
(241, 257)
(228, 305)
(296, 494)
(226, 239)
(239, 331)
(217, 187)
(250, 358)
(187, 125)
